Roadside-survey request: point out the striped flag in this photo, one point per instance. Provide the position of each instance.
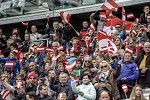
(134, 33)
(60, 48)
(92, 27)
(110, 5)
(70, 67)
(65, 16)
(103, 16)
(40, 49)
(49, 50)
(6, 95)
(125, 88)
(128, 50)
(130, 15)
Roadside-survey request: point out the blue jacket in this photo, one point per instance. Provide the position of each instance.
(129, 70)
(16, 67)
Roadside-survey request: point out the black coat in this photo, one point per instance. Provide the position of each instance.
(143, 19)
(62, 88)
(47, 97)
(140, 57)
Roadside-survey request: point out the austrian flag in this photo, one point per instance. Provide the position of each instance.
(65, 16)
(130, 15)
(110, 5)
(92, 27)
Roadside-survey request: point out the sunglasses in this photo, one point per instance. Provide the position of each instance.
(32, 78)
(117, 27)
(88, 61)
(104, 66)
(135, 26)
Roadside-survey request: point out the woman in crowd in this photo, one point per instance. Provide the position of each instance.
(104, 94)
(105, 78)
(86, 90)
(137, 93)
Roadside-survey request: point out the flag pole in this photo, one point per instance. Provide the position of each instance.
(126, 95)
(74, 29)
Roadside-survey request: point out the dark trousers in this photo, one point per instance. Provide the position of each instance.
(147, 77)
(120, 83)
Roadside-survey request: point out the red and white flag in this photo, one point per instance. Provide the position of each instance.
(106, 44)
(130, 15)
(6, 95)
(49, 50)
(101, 32)
(103, 15)
(25, 23)
(9, 64)
(60, 48)
(70, 67)
(134, 33)
(65, 16)
(123, 14)
(110, 5)
(40, 49)
(92, 27)
(125, 88)
(128, 50)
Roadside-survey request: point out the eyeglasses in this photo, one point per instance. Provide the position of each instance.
(135, 26)
(88, 61)
(32, 78)
(104, 66)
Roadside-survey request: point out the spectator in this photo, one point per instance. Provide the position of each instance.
(121, 31)
(35, 35)
(105, 78)
(137, 93)
(43, 93)
(105, 95)
(86, 90)
(63, 86)
(31, 96)
(84, 29)
(143, 62)
(27, 41)
(30, 83)
(14, 66)
(144, 15)
(62, 96)
(129, 72)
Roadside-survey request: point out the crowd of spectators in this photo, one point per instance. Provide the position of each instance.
(72, 68)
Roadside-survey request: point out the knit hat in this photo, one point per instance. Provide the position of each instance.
(30, 75)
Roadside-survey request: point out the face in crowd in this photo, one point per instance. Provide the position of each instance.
(104, 96)
(88, 61)
(127, 57)
(63, 77)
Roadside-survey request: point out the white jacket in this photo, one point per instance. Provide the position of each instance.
(88, 90)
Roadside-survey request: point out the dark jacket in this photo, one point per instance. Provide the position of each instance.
(140, 57)
(148, 35)
(29, 89)
(62, 88)
(143, 19)
(46, 97)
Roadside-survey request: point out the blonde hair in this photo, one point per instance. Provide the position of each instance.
(108, 65)
(133, 95)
